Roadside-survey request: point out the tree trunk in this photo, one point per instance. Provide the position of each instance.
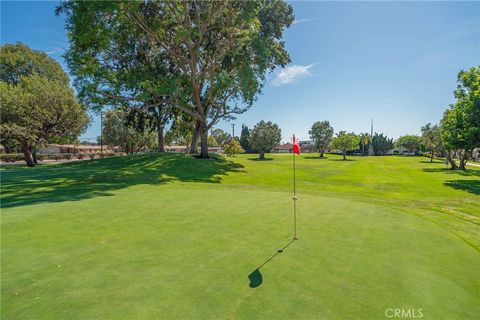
(196, 133)
(33, 151)
(204, 144)
(321, 154)
(451, 160)
(262, 155)
(344, 157)
(28, 155)
(431, 158)
(363, 149)
(160, 138)
(463, 159)
(461, 165)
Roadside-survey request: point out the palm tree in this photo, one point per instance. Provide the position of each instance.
(364, 139)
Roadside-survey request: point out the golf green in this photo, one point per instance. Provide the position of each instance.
(166, 236)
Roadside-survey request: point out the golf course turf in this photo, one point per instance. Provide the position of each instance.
(168, 236)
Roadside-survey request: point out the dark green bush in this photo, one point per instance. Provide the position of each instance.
(11, 157)
(41, 157)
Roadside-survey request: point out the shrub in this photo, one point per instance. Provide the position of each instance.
(59, 156)
(114, 154)
(81, 156)
(92, 156)
(11, 157)
(233, 148)
(41, 157)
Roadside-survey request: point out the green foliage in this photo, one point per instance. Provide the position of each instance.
(322, 133)
(18, 60)
(381, 144)
(461, 122)
(117, 131)
(38, 104)
(432, 139)
(364, 141)
(212, 142)
(57, 156)
(38, 109)
(180, 132)
(12, 157)
(232, 148)
(206, 58)
(139, 119)
(345, 142)
(10, 145)
(410, 142)
(221, 137)
(264, 137)
(245, 139)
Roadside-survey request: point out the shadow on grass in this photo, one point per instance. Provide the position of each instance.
(315, 158)
(88, 179)
(258, 159)
(256, 278)
(465, 173)
(472, 186)
(343, 160)
(428, 161)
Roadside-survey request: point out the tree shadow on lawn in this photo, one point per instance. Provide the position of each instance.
(472, 186)
(258, 159)
(428, 161)
(88, 179)
(343, 160)
(315, 158)
(465, 173)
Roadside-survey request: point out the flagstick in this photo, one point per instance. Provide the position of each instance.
(294, 199)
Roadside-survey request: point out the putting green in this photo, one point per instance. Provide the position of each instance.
(183, 245)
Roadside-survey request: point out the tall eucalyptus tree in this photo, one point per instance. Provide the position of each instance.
(207, 58)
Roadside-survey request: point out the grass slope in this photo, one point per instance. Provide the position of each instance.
(168, 236)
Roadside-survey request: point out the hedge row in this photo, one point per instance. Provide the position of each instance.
(12, 157)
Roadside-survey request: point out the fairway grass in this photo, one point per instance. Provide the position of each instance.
(172, 237)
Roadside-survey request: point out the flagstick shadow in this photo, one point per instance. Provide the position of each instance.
(255, 277)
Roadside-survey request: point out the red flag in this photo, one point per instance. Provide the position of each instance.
(296, 147)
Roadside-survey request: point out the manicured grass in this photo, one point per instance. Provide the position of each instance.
(169, 236)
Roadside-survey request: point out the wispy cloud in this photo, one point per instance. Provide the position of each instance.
(297, 21)
(291, 74)
(56, 50)
(59, 47)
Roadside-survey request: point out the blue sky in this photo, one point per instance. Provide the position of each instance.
(395, 62)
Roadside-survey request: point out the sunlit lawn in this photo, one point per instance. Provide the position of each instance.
(173, 237)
